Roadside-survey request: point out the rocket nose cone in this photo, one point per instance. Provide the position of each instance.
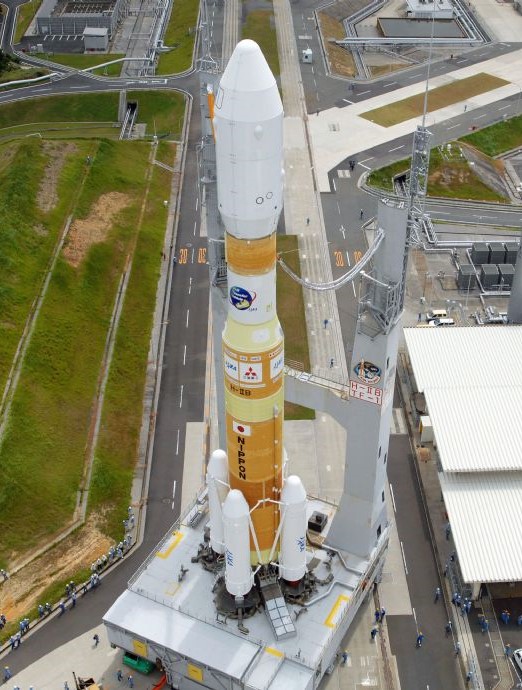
(247, 69)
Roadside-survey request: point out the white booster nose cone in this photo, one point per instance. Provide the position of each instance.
(238, 573)
(248, 122)
(292, 559)
(217, 479)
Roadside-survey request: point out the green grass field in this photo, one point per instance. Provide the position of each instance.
(26, 12)
(290, 308)
(162, 111)
(57, 385)
(122, 413)
(179, 36)
(82, 61)
(259, 26)
(453, 179)
(27, 234)
(382, 178)
(58, 381)
(440, 97)
(499, 138)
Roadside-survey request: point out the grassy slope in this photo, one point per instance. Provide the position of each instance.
(503, 136)
(24, 252)
(457, 91)
(58, 380)
(454, 179)
(26, 12)
(180, 36)
(81, 61)
(122, 413)
(259, 26)
(79, 108)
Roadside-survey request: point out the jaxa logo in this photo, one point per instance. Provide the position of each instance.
(229, 557)
(301, 543)
(240, 298)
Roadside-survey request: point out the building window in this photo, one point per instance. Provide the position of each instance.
(388, 363)
(378, 531)
(385, 458)
(382, 496)
(380, 449)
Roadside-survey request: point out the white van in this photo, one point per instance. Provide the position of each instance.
(441, 322)
(436, 314)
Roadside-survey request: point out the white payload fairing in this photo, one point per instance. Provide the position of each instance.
(248, 129)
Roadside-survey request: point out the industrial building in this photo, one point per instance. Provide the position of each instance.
(468, 381)
(74, 16)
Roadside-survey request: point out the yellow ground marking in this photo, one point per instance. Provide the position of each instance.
(274, 652)
(178, 536)
(330, 618)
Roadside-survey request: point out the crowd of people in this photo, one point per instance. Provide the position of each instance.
(72, 590)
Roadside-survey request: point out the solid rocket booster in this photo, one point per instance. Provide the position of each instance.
(248, 126)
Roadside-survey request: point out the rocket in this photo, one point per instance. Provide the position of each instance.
(248, 128)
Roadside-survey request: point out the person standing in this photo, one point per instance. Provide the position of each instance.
(119, 675)
(448, 628)
(96, 639)
(130, 681)
(373, 633)
(437, 594)
(420, 639)
(7, 673)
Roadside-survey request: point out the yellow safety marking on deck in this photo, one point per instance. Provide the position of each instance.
(330, 618)
(171, 591)
(178, 536)
(274, 652)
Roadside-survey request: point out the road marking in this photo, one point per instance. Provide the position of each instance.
(393, 499)
(486, 217)
(414, 76)
(397, 148)
(335, 188)
(505, 106)
(338, 208)
(405, 568)
(443, 213)
(181, 396)
(347, 101)
(190, 286)
(79, 87)
(365, 160)
(177, 444)
(348, 258)
(192, 256)
(178, 536)
(186, 324)
(480, 54)
(367, 167)
(195, 225)
(391, 83)
(480, 116)
(197, 202)
(342, 231)
(363, 92)
(353, 288)
(414, 613)
(173, 494)
(453, 126)
(184, 355)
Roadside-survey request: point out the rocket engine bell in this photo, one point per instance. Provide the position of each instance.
(248, 125)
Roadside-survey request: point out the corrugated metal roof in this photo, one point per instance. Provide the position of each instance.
(466, 357)
(472, 381)
(477, 429)
(486, 518)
